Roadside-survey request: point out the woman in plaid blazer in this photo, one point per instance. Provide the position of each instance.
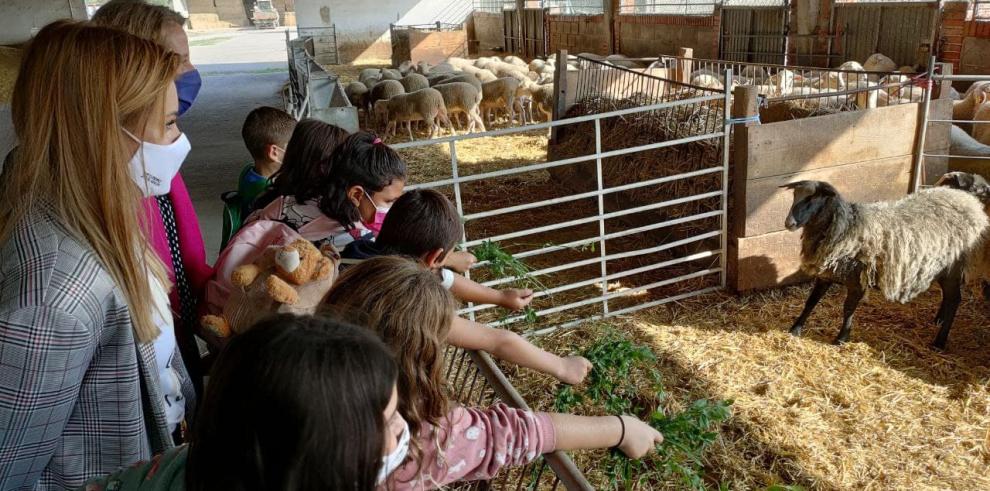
(80, 390)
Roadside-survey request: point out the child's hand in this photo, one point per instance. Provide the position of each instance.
(515, 298)
(640, 438)
(573, 369)
(459, 261)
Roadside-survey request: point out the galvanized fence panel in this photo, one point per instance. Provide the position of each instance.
(651, 273)
(814, 89)
(961, 156)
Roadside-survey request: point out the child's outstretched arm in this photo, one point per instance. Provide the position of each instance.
(511, 347)
(471, 291)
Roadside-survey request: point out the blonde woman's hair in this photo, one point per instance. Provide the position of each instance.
(78, 86)
(138, 18)
(408, 306)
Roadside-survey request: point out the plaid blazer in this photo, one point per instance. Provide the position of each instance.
(79, 398)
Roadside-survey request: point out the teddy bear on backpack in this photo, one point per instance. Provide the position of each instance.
(290, 278)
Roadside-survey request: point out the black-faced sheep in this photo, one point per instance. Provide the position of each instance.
(975, 184)
(899, 247)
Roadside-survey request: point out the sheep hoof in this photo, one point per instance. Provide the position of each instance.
(839, 341)
(796, 330)
(938, 348)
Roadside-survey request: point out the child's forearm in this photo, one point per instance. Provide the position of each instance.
(472, 291)
(586, 432)
(504, 345)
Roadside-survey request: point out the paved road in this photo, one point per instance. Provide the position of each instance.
(242, 69)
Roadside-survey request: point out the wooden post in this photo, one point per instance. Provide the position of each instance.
(946, 85)
(745, 103)
(559, 91)
(608, 6)
(518, 46)
(684, 65)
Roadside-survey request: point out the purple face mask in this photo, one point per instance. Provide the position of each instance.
(187, 86)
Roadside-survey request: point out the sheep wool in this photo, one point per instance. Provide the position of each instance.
(903, 244)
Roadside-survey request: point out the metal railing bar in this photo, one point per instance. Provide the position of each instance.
(562, 122)
(613, 235)
(618, 294)
(608, 277)
(578, 322)
(976, 157)
(591, 194)
(582, 221)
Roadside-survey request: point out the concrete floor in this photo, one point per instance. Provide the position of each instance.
(242, 69)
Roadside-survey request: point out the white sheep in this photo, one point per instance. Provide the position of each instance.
(899, 247)
(414, 82)
(974, 96)
(383, 91)
(877, 62)
(423, 105)
(981, 126)
(500, 94)
(357, 93)
(964, 145)
(460, 97)
(517, 61)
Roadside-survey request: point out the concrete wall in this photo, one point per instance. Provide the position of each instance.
(488, 30)
(19, 17)
(653, 35)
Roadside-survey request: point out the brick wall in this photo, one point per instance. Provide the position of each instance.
(654, 35)
(952, 30)
(578, 33)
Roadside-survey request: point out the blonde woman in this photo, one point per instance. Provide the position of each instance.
(175, 233)
(90, 379)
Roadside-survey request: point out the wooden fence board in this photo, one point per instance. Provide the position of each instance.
(768, 261)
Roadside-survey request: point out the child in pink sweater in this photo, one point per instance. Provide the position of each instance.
(408, 306)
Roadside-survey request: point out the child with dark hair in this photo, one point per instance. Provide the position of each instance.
(298, 403)
(424, 225)
(345, 197)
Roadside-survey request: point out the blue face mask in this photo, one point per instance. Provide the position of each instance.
(187, 85)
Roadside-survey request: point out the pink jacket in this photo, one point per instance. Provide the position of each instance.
(190, 240)
(477, 443)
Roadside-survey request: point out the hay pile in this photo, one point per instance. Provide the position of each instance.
(882, 412)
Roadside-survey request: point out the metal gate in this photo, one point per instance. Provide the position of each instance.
(532, 41)
(625, 239)
(754, 31)
(905, 32)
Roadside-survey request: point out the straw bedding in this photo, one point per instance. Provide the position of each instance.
(882, 412)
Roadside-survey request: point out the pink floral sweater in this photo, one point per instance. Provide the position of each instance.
(474, 444)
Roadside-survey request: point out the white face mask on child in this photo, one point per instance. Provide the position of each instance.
(154, 166)
(393, 460)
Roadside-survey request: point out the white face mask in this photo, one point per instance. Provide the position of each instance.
(392, 461)
(154, 166)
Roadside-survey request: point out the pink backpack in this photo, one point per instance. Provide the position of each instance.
(264, 229)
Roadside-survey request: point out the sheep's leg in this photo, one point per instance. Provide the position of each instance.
(854, 293)
(951, 297)
(820, 289)
(409, 127)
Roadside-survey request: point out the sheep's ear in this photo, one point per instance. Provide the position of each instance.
(954, 179)
(803, 187)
